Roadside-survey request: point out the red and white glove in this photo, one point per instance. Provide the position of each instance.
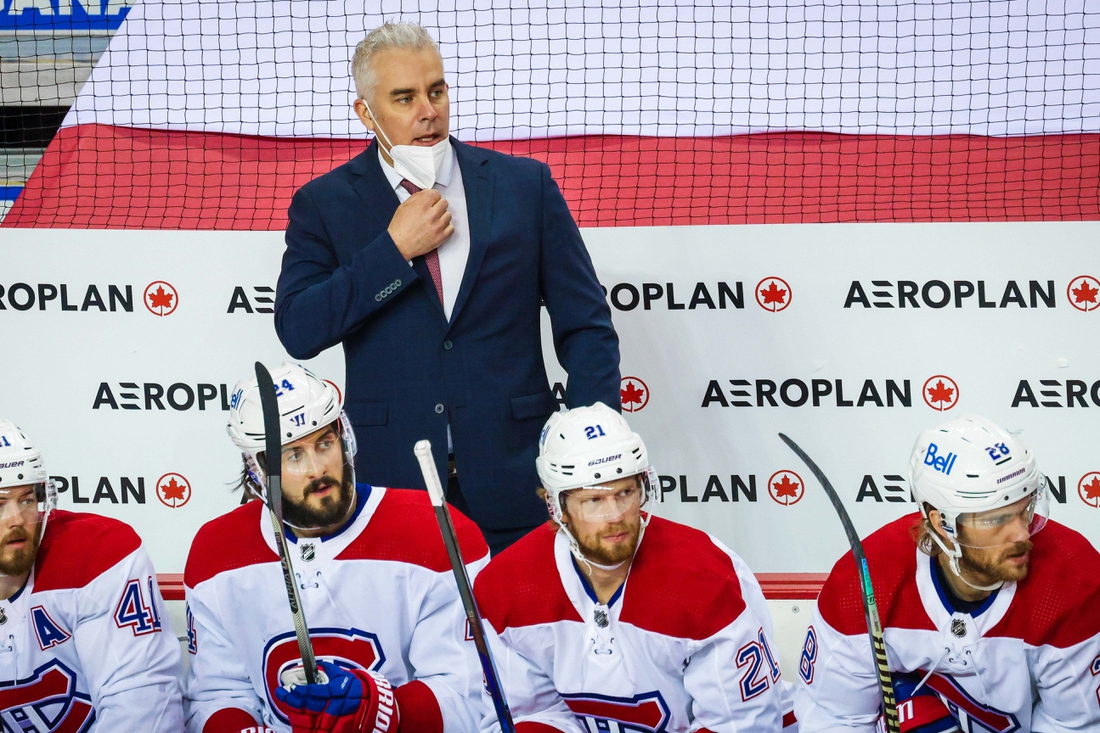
(348, 701)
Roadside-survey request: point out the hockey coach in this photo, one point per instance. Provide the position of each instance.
(85, 644)
(990, 612)
(385, 619)
(428, 259)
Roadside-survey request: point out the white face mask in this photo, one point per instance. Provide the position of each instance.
(417, 163)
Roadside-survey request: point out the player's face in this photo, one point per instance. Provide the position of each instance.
(317, 491)
(996, 545)
(606, 522)
(19, 530)
(409, 101)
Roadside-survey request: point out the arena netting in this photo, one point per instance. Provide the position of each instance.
(650, 112)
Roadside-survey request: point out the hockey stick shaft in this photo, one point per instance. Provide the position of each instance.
(273, 452)
(870, 606)
(423, 451)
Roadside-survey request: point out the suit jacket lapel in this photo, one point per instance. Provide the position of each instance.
(381, 201)
(373, 189)
(477, 179)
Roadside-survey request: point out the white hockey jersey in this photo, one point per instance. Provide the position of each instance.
(379, 595)
(1027, 660)
(86, 645)
(685, 644)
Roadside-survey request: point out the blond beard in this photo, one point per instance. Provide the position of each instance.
(592, 548)
(21, 561)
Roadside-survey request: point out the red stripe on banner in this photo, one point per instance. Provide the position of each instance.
(99, 176)
(776, 586)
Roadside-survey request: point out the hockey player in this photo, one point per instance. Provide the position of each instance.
(82, 644)
(991, 626)
(386, 620)
(612, 619)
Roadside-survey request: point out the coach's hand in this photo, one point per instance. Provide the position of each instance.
(421, 224)
(347, 701)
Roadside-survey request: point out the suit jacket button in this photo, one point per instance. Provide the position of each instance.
(448, 345)
(439, 409)
(378, 297)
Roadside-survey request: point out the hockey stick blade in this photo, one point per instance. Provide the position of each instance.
(273, 455)
(423, 452)
(870, 605)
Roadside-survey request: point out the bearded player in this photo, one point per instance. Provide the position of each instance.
(386, 620)
(991, 626)
(82, 644)
(611, 619)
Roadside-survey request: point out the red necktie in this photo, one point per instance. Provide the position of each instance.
(432, 258)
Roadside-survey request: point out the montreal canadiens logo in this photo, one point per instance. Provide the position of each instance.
(644, 713)
(1083, 292)
(173, 490)
(773, 294)
(633, 393)
(786, 487)
(940, 392)
(160, 298)
(46, 702)
(981, 718)
(350, 649)
(1088, 488)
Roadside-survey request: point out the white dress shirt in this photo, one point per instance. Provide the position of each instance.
(456, 250)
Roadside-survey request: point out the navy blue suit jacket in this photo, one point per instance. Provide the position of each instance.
(409, 370)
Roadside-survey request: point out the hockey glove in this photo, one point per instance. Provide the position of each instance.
(350, 701)
(919, 711)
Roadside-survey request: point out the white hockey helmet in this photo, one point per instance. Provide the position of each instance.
(588, 448)
(21, 464)
(969, 466)
(306, 404)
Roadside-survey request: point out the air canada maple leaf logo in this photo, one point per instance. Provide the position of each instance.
(940, 393)
(633, 393)
(173, 490)
(1083, 292)
(1088, 488)
(786, 487)
(161, 299)
(773, 294)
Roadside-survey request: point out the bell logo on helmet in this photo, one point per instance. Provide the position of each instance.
(943, 464)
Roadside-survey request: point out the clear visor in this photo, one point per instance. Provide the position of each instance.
(604, 502)
(29, 502)
(328, 451)
(997, 527)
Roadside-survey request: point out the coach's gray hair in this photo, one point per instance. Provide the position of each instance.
(386, 36)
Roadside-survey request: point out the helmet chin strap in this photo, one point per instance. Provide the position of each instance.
(953, 562)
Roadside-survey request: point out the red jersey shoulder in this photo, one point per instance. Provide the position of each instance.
(1051, 604)
(891, 557)
(681, 584)
(404, 529)
(77, 548)
(228, 542)
(521, 586)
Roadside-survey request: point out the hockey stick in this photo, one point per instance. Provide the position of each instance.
(273, 452)
(423, 451)
(870, 606)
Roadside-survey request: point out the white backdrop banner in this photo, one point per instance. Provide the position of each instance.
(123, 346)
